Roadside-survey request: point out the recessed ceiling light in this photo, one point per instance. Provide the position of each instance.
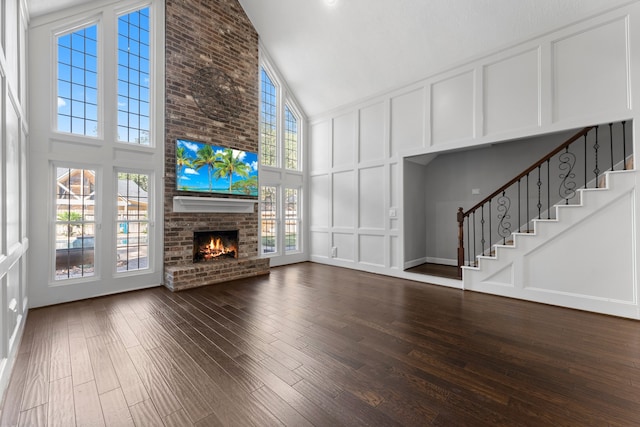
(331, 2)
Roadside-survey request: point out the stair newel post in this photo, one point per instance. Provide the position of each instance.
(460, 241)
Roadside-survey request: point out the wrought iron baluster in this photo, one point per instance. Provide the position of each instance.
(567, 188)
(548, 191)
(504, 226)
(611, 142)
(519, 206)
(596, 171)
(624, 145)
(482, 239)
(469, 240)
(475, 252)
(585, 160)
(527, 203)
(539, 205)
(490, 234)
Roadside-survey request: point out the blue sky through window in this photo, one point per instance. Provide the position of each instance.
(133, 77)
(78, 82)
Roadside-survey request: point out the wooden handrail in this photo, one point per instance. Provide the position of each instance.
(564, 145)
(461, 215)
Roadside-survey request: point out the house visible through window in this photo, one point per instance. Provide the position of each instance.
(268, 219)
(132, 228)
(282, 184)
(75, 236)
(81, 61)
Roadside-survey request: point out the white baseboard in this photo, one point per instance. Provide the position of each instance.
(443, 261)
(415, 262)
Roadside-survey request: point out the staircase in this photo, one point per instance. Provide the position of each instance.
(576, 251)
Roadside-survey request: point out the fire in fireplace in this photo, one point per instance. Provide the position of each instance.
(214, 245)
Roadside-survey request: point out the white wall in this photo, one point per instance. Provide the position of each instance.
(14, 132)
(579, 75)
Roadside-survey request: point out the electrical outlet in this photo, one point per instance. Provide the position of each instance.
(334, 251)
(475, 191)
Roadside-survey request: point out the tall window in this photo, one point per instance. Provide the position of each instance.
(269, 218)
(292, 220)
(80, 87)
(133, 77)
(78, 82)
(290, 140)
(75, 223)
(281, 128)
(132, 228)
(268, 121)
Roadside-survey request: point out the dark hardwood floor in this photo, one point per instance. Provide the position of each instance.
(317, 345)
(432, 269)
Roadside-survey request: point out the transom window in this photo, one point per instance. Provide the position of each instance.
(290, 140)
(268, 121)
(78, 82)
(133, 77)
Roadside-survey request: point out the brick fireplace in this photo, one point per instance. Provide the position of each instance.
(218, 35)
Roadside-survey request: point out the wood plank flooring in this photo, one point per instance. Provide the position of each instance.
(312, 345)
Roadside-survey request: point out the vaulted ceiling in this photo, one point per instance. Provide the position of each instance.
(335, 54)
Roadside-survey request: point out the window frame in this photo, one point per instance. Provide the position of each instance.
(97, 221)
(281, 176)
(152, 68)
(150, 221)
(63, 30)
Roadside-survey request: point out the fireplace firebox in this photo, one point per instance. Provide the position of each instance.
(215, 245)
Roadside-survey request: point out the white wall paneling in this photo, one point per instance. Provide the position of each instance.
(344, 140)
(370, 205)
(588, 255)
(372, 133)
(319, 189)
(511, 93)
(344, 202)
(453, 108)
(319, 244)
(576, 76)
(14, 135)
(407, 121)
(344, 244)
(394, 253)
(590, 71)
(372, 249)
(12, 179)
(319, 147)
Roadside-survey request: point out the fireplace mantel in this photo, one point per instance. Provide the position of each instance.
(211, 204)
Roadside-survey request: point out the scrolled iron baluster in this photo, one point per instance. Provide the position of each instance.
(504, 226)
(568, 186)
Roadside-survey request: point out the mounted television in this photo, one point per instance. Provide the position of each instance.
(208, 168)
